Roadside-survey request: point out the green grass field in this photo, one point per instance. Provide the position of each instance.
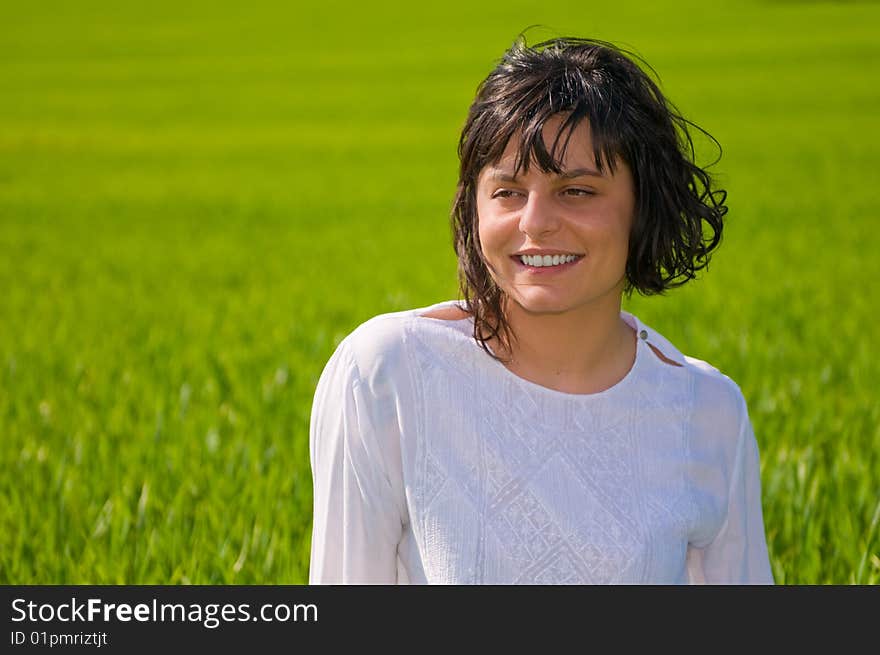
(198, 201)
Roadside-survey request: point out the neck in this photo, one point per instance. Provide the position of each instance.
(584, 350)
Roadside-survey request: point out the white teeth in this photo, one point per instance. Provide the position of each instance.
(546, 260)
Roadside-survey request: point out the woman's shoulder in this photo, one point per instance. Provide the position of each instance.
(714, 392)
(381, 341)
(719, 411)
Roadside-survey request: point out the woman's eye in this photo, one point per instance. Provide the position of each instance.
(579, 192)
(504, 193)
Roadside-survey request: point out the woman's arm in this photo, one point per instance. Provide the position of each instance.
(356, 524)
(738, 553)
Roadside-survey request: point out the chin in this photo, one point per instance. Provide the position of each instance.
(543, 305)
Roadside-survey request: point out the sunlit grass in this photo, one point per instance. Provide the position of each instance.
(197, 203)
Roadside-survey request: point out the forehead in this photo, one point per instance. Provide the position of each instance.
(558, 148)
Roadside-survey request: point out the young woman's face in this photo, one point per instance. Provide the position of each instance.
(581, 213)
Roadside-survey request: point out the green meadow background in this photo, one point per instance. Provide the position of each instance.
(198, 200)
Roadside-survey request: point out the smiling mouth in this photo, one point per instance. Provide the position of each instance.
(548, 262)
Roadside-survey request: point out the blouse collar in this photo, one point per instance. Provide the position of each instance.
(644, 332)
(654, 338)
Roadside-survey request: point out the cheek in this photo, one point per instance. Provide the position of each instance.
(617, 228)
(490, 231)
(621, 233)
(619, 242)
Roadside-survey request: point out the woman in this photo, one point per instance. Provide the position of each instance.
(535, 433)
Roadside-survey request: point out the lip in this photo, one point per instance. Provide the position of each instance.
(545, 270)
(538, 251)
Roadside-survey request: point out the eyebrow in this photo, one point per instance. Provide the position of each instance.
(565, 175)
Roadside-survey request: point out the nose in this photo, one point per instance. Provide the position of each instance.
(539, 216)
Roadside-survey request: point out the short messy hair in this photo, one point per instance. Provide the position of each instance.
(629, 118)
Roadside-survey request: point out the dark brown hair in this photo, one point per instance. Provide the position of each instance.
(628, 118)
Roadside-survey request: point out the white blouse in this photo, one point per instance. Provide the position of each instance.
(434, 463)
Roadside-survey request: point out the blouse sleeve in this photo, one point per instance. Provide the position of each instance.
(738, 553)
(356, 524)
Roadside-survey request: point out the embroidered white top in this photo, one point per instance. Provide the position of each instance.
(434, 463)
